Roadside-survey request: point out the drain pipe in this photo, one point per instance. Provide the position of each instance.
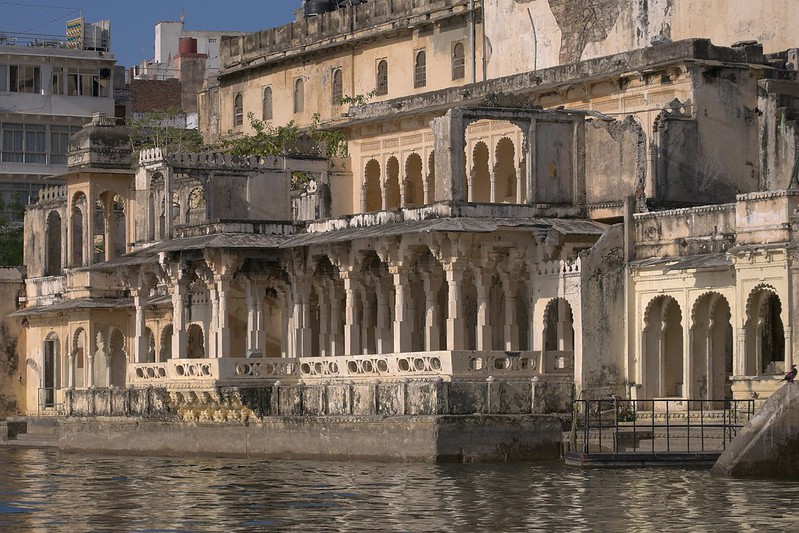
(483, 17)
(473, 40)
(535, 41)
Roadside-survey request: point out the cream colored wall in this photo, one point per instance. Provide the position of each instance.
(401, 139)
(770, 22)
(359, 66)
(513, 48)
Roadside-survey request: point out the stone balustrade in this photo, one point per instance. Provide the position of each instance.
(446, 365)
(189, 373)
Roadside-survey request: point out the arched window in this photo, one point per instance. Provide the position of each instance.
(382, 77)
(338, 86)
(266, 113)
(53, 251)
(458, 61)
(238, 110)
(299, 96)
(420, 70)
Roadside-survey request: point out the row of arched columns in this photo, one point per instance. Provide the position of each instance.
(92, 232)
(495, 170)
(693, 356)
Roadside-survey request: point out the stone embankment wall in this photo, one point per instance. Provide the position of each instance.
(420, 421)
(12, 345)
(252, 404)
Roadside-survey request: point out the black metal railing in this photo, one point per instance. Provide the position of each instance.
(613, 425)
(48, 400)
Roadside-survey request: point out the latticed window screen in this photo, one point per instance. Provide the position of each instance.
(338, 86)
(266, 112)
(420, 69)
(299, 96)
(458, 61)
(382, 77)
(238, 110)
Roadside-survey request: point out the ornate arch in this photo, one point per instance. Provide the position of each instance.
(755, 294)
(651, 306)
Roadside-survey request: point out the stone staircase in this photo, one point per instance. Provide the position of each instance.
(30, 432)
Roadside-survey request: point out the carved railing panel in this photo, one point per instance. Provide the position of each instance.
(445, 365)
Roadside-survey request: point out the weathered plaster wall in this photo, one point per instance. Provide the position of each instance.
(615, 155)
(779, 131)
(421, 438)
(525, 35)
(683, 232)
(600, 370)
(12, 345)
(425, 421)
(389, 399)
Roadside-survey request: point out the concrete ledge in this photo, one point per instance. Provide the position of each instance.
(768, 446)
(9, 429)
(401, 438)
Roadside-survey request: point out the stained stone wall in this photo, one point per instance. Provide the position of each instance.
(401, 398)
(12, 346)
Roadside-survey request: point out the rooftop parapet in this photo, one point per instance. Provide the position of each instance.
(624, 65)
(328, 28)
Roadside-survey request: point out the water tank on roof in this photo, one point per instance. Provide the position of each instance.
(187, 45)
(317, 7)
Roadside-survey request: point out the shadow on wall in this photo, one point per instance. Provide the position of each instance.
(10, 382)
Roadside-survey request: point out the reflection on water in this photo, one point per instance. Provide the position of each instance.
(43, 489)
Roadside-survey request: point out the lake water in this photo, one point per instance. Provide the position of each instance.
(44, 490)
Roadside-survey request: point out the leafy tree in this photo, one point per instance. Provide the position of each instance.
(11, 237)
(156, 129)
(287, 140)
(358, 99)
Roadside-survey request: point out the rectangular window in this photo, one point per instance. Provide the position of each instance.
(13, 142)
(24, 79)
(3, 78)
(59, 144)
(35, 143)
(86, 82)
(57, 85)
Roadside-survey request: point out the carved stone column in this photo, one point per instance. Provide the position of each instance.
(367, 328)
(484, 340)
(142, 343)
(385, 339)
(255, 327)
(223, 317)
(179, 291)
(432, 284)
(352, 328)
(455, 324)
(71, 370)
(402, 312)
(336, 342)
(509, 286)
(324, 321)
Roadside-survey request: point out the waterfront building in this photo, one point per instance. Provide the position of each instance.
(49, 89)
(610, 225)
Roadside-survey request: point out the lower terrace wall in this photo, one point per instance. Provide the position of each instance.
(407, 420)
(256, 403)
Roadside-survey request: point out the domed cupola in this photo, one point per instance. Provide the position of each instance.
(101, 144)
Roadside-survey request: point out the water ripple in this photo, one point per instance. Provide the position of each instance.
(44, 489)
